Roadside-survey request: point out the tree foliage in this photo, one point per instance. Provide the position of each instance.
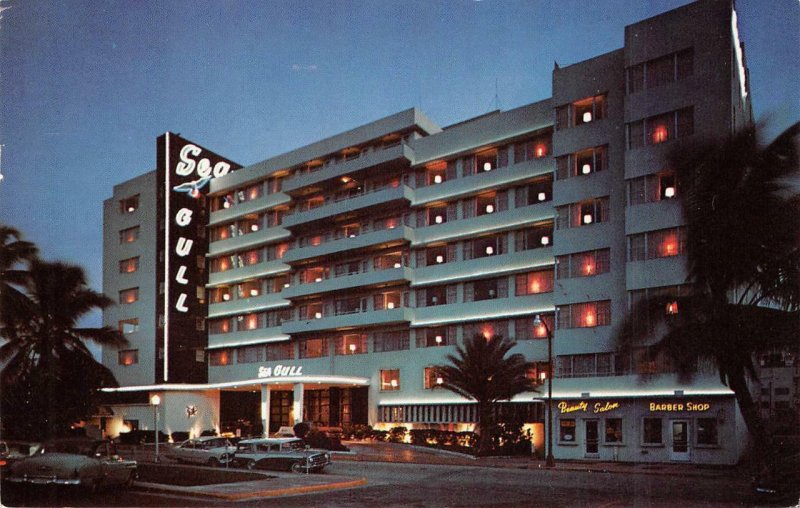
(49, 376)
(483, 371)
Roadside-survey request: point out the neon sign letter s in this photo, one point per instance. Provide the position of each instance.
(186, 165)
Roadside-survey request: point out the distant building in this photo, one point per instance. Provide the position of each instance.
(325, 284)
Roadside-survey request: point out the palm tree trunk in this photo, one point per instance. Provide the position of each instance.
(755, 426)
(484, 428)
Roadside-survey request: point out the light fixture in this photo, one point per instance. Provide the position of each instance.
(489, 208)
(318, 279)
(438, 339)
(545, 240)
(397, 265)
(540, 151)
(438, 219)
(542, 196)
(390, 305)
(589, 319)
(352, 348)
(586, 169)
(489, 250)
(587, 218)
(669, 192)
(131, 209)
(487, 166)
(672, 308)
(393, 382)
(437, 178)
(254, 292)
(434, 299)
(318, 315)
(286, 285)
(226, 296)
(439, 380)
(536, 287)
(346, 179)
(254, 227)
(352, 235)
(587, 117)
(226, 204)
(589, 268)
(440, 259)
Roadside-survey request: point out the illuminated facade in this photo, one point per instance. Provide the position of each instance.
(338, 274)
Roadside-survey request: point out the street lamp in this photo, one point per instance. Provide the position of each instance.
(550, 461)
(155, 400)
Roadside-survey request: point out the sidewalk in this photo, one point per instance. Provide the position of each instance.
(390, 452)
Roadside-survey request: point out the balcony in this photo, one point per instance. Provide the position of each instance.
(258, 336)
(256, 205)
(496, 308)
(384, 237)
(399, 153)
(498, 221)
(446, 273)
(390, 198)
(452, 189)
(352, 320)
(345, 282)
(668, 271)
(653, 216)
(248, 272)
(236, 243)
(245, 305)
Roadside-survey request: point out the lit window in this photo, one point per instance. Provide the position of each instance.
(486, 161)
(352, 344)
(220, 357)
(128, 325)
(128, 357)
(314, 348)
(390, 380)
(129, 205)
(129, 295)
(672, 308)
(129, 265)
(432, 378)
(566, 430)
(129, 235)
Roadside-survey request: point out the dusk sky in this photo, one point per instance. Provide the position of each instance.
(87, 86)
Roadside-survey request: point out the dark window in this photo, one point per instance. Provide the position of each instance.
(613, 430)
(651, 431)
(707, 431)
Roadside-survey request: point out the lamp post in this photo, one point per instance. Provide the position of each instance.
(155, 400)
(550, 461)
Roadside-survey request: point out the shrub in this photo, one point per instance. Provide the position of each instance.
(356, 432)
(317, 439)
(397, 434)
(209, 432)
(301, 429)
(135, 437)
(380, 435)
(179, 437)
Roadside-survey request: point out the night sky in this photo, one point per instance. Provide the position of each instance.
(87, 86)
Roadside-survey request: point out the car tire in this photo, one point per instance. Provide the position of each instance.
(250, 464)
(297, 467)
(213, 462)
(131, 478)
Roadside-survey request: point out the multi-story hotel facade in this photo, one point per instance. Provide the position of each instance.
(326, 283)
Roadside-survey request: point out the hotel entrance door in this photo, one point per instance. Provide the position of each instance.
(592, 437)
(680, 440)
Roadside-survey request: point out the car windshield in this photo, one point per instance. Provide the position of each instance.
(74, 447)
(295, 445)
(215, 443)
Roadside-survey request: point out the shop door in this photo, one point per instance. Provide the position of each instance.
(680, 440)
(592, 437)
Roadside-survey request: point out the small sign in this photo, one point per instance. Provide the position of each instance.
(280, 371)
(672, 407)
(583, 407)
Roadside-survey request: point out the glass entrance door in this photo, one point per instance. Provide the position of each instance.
(680, 440)
(592, 437)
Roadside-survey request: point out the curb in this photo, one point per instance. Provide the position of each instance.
(240, 496)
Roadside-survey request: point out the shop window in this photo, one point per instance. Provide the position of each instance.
(314, 348)
(613, 430)
(566, 430)
(129, 235)
(390, 380)
(220, 357)
(126, 326)
(432, 378)
(652, 431)
(250, 354)
(128, 357)
(352, 344)
(707, 431)
(129, 205)
(129, 295)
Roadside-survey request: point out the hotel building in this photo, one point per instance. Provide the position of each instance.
(324, 284)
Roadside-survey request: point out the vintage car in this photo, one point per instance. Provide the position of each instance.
(288, 454)
(75, 461)
(12, 451)
(209, 450)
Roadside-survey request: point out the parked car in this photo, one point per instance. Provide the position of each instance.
(75, 461)
(288, 454)
(780, 480)
(208, 450)
(12, 451)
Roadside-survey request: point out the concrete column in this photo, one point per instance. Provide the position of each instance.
(265, 396)
(298, 402)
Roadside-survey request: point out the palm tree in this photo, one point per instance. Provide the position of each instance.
(743, 255)
(13, 252)
(50, 376)
(481, 371)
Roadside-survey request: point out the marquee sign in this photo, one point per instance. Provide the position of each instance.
(184, 170)
(280, 371)
(672, 407)
(582, 406)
